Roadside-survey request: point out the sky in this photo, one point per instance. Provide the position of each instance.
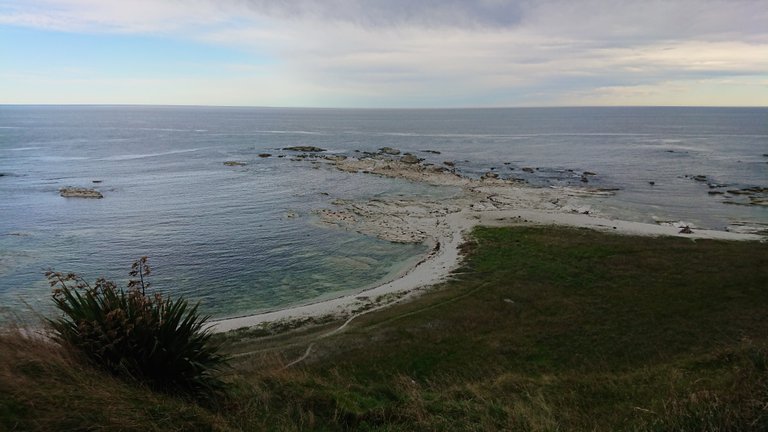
(385, 53)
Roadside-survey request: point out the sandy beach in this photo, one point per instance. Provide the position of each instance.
(443, 224)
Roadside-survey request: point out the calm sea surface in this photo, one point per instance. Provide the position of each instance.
(243, 239)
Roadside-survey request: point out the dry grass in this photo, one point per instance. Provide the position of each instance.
(45, 388)
(542, 330)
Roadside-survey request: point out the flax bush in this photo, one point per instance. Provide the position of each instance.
(160, 341)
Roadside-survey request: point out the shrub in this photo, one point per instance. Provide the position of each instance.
(161, 341)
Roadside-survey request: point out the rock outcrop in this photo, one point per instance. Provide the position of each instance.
(76, 192)
(310, 149)
(409, 159)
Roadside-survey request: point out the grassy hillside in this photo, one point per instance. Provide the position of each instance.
(542, 329)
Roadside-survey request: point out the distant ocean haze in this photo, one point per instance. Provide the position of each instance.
(244, 238)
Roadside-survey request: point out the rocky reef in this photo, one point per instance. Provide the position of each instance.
(77, 192)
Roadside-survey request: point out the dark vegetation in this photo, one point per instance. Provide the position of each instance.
(542, 329)
(161, 342)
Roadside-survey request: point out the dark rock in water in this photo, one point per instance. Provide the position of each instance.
(584, 179)
(95, 181)
(489, 175)
(281, 156)
(431, 151)
(651, 183)
(449, 163)
(2, 174)
(305, 149)
(686, 230)
(76, 192)
(715, 192)
(507, 163)
(700, 178)
(264, 155)
(336, 158)
(589, 173)
(765, 154)
(234, 163)
(739, 192)
(528, 170)
(389, 151)
(409, 159)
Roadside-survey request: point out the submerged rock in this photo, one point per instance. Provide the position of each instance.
(305, 149)
(489, 175)
(234, 163)
(76, 192)
(336, 158)
(528, 169)
(264, 155)
(389, 151)
(431, 151)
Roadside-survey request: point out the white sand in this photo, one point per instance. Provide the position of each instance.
(444, 223)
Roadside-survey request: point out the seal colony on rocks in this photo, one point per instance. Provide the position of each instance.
(490, 200)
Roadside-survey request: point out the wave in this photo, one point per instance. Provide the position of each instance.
(147, 155)
(23, 148)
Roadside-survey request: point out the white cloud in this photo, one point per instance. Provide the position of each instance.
(367, 52)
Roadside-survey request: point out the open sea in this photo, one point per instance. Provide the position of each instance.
(243, 239)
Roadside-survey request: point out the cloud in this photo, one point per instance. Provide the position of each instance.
(400, 52)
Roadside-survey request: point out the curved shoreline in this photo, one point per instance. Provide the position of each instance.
(437, 266)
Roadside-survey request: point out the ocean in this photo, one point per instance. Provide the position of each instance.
(244, 239)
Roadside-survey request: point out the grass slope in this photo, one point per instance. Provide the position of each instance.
(542, 329)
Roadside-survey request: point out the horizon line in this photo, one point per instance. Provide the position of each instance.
(364, 108)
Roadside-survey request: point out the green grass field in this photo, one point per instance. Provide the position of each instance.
(541, 329)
